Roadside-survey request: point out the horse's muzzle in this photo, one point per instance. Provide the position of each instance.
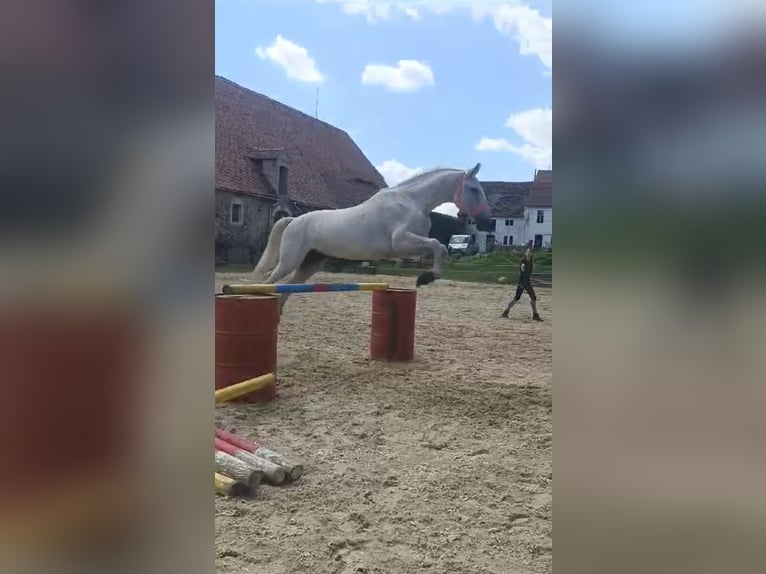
(483, 221)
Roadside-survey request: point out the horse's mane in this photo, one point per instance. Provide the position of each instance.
(423, 175)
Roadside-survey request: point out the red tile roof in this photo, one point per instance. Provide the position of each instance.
(541, 194)
(506, 198)
(326, 168)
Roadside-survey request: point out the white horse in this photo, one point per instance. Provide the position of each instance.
(392, 223)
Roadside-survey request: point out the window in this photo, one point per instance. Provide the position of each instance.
(540, 216)
(505, 240)
(538, 240)
(235, 216)
(510, 240)
(508, 222)
(493, 225)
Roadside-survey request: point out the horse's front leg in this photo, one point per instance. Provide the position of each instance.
(407, 243)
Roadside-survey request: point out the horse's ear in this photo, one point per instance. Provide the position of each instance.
(474, 170)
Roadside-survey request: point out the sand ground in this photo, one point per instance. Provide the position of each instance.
(441, 465)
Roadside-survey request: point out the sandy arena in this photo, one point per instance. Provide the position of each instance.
(442, 465)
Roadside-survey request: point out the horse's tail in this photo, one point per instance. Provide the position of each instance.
(270, 257)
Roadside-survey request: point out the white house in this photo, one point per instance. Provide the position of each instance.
(538, 226)
(538, 211)
(509, 230)
(521, 212)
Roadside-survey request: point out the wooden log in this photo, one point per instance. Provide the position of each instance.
(236, 440)
(227, 486)
(238, 469)
(293, 470)
(273, 474)
(243, 388)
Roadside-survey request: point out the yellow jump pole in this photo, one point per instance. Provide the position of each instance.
(237, 390)
(227, 486)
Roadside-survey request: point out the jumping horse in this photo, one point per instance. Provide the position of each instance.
(392, 223)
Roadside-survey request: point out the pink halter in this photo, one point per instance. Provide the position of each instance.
(459, 200)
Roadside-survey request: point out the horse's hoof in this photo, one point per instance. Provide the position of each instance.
(425, 278)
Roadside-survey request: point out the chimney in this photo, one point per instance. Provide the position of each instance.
(282, 189)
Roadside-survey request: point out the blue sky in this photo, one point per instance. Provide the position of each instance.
(417, 84)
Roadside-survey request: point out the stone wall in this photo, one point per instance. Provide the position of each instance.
(241, 243)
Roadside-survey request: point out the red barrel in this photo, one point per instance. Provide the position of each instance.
(392, 335)
(246, 329)
(70, 397)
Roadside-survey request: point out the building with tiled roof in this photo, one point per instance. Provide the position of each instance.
(506, 200)
(272, 160)
(522, 211)
(541, 193)
(538, 210)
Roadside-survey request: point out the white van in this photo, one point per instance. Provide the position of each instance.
(463, 244)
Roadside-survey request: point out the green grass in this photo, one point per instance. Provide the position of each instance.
(234, 268)
(481, 268)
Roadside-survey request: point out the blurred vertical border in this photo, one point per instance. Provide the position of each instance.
(660, 328)
(106, 283)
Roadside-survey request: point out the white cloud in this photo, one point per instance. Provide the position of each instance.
(494, 144)
(439, 7)
(374, 10)
(535, 128)
(532, 30)
(292, 58)
(412, 12)
(406, 76)
(395, 172)
(447, 209)
(371, 10)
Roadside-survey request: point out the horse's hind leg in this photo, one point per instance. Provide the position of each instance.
(291, 255)
(283, 269)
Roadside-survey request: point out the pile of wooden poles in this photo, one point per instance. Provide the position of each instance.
(242, 465)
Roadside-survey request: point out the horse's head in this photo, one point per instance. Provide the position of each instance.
(471, 201)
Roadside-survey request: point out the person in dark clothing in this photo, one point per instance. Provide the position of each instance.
(525, 284)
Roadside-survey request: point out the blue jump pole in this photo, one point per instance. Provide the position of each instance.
(252, 289)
